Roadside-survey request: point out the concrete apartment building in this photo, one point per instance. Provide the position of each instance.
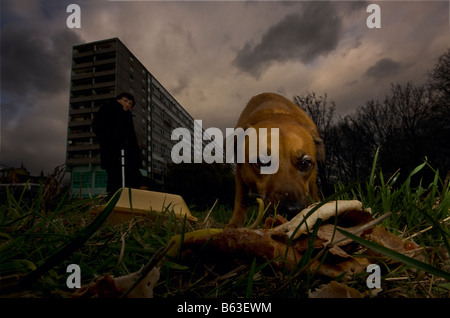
(100, 71)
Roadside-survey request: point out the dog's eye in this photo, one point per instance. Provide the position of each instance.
(305, 164)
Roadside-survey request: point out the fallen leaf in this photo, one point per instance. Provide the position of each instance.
(387, 239)
(335, 290)
(107, 286)
(102, 287)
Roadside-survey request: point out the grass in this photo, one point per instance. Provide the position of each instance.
(39, 239)
(419, 211)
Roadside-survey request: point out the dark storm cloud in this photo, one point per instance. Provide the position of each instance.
(33, 61)
(35, 78)
(304, 36)
(385, 67)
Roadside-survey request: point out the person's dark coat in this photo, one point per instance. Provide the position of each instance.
(115, 131)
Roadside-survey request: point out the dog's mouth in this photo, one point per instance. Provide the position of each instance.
(286, 207)
(290, 209)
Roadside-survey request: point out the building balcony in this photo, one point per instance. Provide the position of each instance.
(78, 76)
(76, 88)
(104, 84)
(81, 135)
(104, 73)
(77, 65)
(81, 111)
(78, 54)
(105, 48)
(81, 99)
(76, 123)
(82, 161)
(105, 61)
(83, 147)
(104, 96)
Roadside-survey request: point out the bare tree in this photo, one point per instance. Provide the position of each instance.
(411, 123)
(439, 83)
(439, 77)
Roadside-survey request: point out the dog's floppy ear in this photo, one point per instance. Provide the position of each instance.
(320, 149)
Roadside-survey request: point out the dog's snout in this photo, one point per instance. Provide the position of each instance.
(290, 208)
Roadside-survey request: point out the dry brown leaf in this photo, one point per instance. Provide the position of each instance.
(383, 237)
(327, 232)
(103, 287)
(349, 267)
(387, 239)
(335, 290)
(109, 287)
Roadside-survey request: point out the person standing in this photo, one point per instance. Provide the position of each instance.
(114, 128)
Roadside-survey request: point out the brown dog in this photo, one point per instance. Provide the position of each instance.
(293, 187)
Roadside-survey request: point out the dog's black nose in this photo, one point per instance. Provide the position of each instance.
(290, 208)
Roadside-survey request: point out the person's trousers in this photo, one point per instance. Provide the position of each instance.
(114, 179)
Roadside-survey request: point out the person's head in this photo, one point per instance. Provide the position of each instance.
(126, 100)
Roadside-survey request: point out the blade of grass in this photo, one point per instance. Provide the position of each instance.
(183, 229)
(79, 239)
(371, 184)
(25, 187)
(374, 165)
(251, 274)
(437, 226)
(397, 256)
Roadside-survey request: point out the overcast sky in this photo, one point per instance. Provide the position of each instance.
(211, 56)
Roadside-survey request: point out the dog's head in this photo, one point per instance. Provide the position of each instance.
(292, 186)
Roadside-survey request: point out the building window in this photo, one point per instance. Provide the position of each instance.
(100, 179)
(82, 179)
